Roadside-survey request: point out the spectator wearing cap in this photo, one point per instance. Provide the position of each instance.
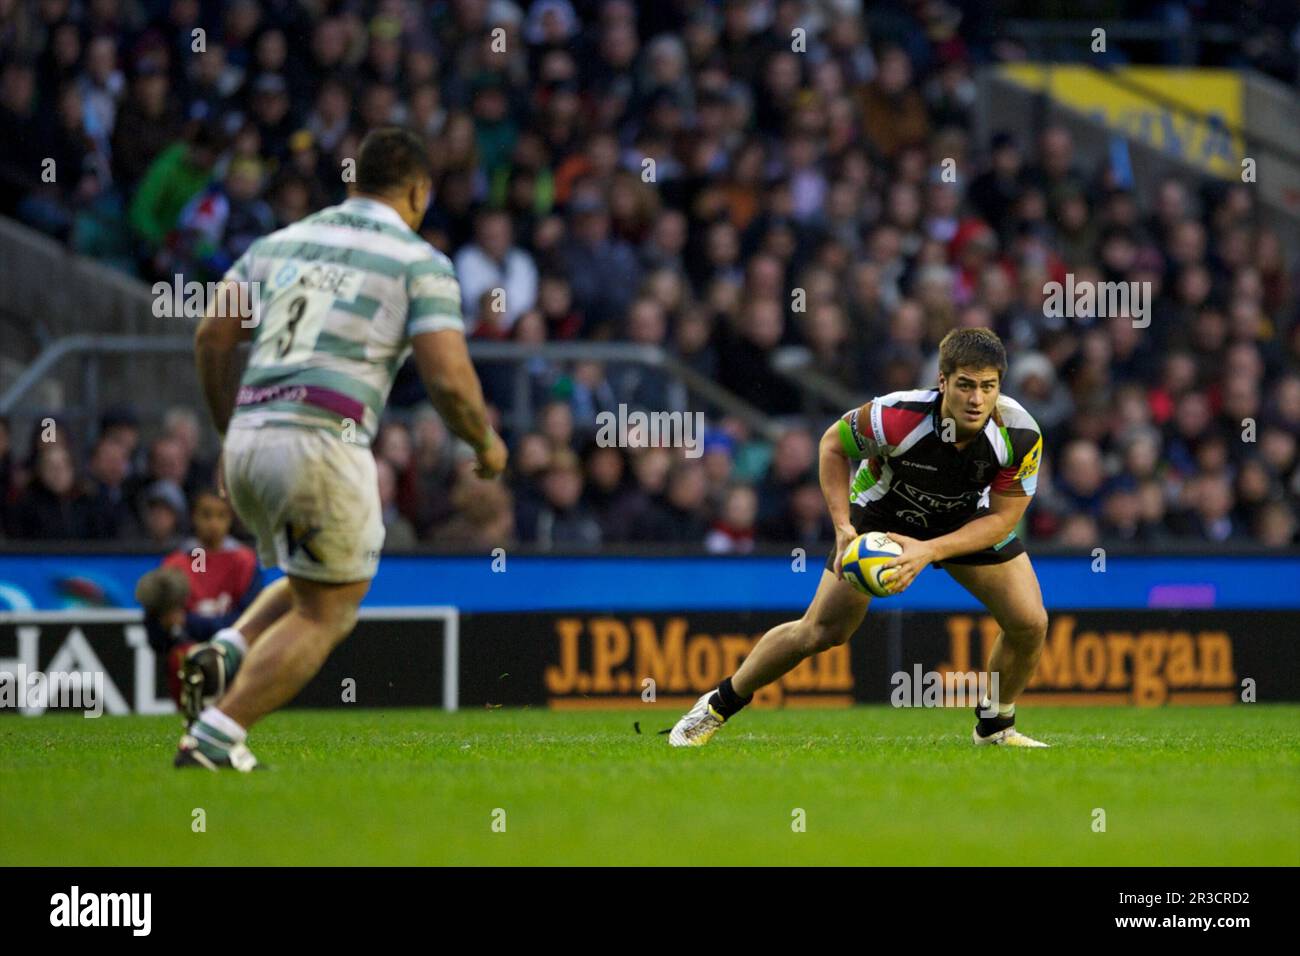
(718, 458)
(1033, 379)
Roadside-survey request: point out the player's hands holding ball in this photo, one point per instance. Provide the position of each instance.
(916, 556)
(844, 536)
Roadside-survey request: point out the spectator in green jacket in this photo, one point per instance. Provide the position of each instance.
(172, 180)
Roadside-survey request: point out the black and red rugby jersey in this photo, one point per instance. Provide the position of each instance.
(910, 474)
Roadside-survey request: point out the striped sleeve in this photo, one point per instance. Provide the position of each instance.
(242, 268)
(434, 296)
(1025, 445)
(856, 436)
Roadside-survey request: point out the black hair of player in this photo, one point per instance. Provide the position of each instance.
(389, 159)
(972, 348)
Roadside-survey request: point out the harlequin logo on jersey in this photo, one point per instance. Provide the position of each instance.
(605, 662)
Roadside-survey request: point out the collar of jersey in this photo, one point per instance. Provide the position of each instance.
(374, 210)
(937, 423)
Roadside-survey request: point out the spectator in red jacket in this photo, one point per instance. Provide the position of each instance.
(224, 580)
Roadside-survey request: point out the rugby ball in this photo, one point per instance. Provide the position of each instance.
(864, 561)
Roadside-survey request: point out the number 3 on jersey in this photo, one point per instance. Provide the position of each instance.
(290, 326)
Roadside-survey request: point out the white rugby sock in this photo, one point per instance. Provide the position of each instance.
(231, 636)
(223, 725)
(1004, 710)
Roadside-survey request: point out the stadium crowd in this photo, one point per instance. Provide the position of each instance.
(669, 173)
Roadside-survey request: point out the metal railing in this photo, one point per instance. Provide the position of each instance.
(94, 350)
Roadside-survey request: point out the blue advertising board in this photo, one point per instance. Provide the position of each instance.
(554, 583)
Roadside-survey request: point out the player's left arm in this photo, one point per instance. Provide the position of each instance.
(1009, 497)
(1005, 512)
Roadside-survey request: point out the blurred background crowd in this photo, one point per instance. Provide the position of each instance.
(668, 173)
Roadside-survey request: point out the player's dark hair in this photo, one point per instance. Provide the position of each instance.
(389, 159)
(972, 348)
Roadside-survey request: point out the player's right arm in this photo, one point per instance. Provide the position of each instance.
(215, 341)
(841, 448)
(442, 358)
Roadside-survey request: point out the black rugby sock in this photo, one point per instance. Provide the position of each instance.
(726, 701)
(991, 725)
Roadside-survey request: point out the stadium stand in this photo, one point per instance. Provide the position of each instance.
(671, 174)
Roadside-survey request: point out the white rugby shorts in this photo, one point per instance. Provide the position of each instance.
(311, 499)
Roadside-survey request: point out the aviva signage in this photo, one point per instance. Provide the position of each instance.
(1118, 99)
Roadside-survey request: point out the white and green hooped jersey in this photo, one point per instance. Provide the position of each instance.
(337, 298)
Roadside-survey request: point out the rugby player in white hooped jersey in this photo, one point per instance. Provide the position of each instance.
(340, 298)
(948, 473)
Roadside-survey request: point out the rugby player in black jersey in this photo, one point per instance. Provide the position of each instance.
(948, 473)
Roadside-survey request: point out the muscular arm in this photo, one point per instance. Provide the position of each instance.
(837, 455)
(833, 468)
(453, 386)
(215, 342)
(984, 532)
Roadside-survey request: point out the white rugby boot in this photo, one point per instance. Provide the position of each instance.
(699, 724)
(1010, 737)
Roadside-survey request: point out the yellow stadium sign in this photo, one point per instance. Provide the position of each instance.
(1132, 101)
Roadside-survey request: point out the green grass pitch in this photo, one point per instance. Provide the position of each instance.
(876, 786)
